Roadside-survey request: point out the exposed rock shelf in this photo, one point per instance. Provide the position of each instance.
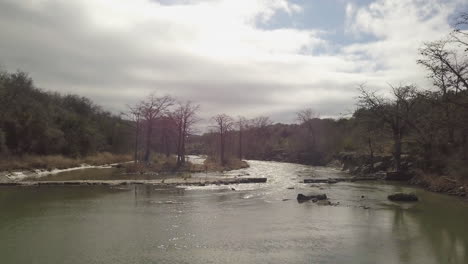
(173, 181)
(346, 179)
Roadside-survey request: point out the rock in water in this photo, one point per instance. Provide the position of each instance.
(302, 198)
(404, 197)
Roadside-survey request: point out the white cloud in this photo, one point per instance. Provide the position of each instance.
(214, 51)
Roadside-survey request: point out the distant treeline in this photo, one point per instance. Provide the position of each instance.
(33, 121)
(314, 141)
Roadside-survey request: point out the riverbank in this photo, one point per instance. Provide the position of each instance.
(196, 181)
(440, 184)
(160, 168)
(58, 162)
(382, 168)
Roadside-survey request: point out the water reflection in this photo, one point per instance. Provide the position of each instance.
(213, 224)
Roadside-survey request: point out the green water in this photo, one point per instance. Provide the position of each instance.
(214, 224)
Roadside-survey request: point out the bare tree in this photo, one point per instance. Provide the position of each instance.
(458, 35)
(446, 65)
(224, 124)
(395, 113)
(184, 117)
(305, 115)
(241, 124)
(306, 118)
(168, 128)
(152, 108)
(134, 114)
(371, 131)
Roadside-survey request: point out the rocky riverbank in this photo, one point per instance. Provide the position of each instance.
(381, 167)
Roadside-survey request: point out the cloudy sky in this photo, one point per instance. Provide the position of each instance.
(241, 57)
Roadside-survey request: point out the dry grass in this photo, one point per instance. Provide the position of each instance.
(231, 164)
(439, 183)
(160, 163)
(106, 158)
(50, 162)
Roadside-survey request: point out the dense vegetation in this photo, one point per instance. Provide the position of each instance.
(36, 122)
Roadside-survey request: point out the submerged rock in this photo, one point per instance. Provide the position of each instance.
(324, 202)
(404, 197)
(398, 176)
(314, 197)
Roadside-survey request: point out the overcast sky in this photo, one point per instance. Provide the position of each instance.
(240, 57)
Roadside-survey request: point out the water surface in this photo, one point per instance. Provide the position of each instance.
(255, 223)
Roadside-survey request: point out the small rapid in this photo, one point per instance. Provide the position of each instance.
(242, 223)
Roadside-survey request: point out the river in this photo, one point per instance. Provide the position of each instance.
(255, 223)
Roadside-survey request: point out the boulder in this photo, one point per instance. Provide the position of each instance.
(302, 198)
(403, 197)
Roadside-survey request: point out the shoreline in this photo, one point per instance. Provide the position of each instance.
(160, 182)
(19, 175)
(197, 165)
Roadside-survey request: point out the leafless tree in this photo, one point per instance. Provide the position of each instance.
(241, 125)
(447, 63)
(447, 66)
(459, 35)
(134, 114)
(395, 113)
(168, 128)
(184, 117)
(305, 115)
(306, 118)
(224, 124)
(152, 108)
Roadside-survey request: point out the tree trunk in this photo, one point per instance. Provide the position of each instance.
(427, 155)
(136, 140)
(182, 145)
(397, 150)
(222, 148)
(179, 145)
(371, 152)
(465, 145)
(240, 144)
(166, 143)
(149, 132)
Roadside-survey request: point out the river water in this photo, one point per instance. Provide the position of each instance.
(255, 223)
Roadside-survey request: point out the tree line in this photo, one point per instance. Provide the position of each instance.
(428, 125)
(33, 121)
